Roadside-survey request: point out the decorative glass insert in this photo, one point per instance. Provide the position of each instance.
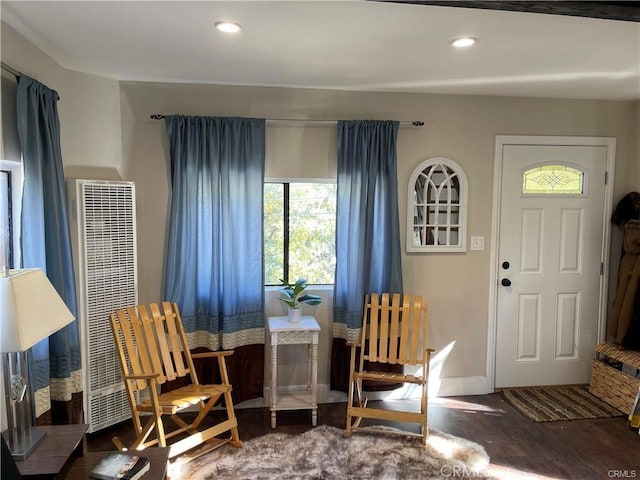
(553, 180)
(436, 209)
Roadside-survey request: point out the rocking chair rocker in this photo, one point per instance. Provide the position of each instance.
(153, 349)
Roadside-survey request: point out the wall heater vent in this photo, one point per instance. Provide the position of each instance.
(106, 270)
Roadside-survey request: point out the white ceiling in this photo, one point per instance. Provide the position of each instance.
(344, 44)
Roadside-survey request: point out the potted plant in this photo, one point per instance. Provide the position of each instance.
(292, 297)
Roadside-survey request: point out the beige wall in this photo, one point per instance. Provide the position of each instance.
(462, 128)
(459, 127)
(89, 106)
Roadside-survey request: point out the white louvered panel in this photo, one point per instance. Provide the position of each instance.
(106, 408)
(107, 281)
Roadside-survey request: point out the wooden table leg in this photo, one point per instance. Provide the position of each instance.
(274, 377)
(314, 380)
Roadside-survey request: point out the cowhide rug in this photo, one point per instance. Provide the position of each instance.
(324, 453)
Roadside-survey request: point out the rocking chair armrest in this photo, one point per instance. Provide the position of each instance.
(427, 355)
(150, 376)
(222, 353)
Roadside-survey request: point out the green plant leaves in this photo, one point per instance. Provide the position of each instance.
(291, 291)
(310, 299)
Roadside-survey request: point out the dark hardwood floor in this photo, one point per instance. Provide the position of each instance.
(518, 448)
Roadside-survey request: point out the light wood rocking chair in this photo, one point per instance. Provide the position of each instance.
(392, 333)
(153, 349)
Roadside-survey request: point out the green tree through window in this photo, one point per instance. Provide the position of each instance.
(299, 232)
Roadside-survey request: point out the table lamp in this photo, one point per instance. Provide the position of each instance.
(30, 311)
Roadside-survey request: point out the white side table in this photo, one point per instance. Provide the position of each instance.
(284, 332)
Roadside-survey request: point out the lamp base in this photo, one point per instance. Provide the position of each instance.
(20, 450)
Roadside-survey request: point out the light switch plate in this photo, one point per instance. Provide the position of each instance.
(477, 243)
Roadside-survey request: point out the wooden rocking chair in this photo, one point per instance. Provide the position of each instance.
(392, 333)
(153, 349)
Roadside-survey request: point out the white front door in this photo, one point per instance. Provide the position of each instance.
(549, 253)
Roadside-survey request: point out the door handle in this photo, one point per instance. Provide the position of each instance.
(505, 282)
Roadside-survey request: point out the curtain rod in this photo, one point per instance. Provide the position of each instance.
(10, 69)
(417, 123)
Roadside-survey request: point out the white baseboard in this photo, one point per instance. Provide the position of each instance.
(445, 387)
(323, 395)
(454, 386)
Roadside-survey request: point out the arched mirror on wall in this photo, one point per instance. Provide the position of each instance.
(437, 207)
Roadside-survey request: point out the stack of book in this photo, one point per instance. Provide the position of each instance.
(121, 466)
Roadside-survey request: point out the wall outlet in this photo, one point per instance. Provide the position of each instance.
(477, 243)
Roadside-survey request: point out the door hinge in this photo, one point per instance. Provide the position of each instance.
(601, 268)
(606, 178)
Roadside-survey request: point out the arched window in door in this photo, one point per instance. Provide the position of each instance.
(553, 180)
(437, 207)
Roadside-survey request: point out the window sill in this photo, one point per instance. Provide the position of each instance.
(320, 288)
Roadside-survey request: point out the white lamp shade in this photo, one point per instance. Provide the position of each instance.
(30, 310)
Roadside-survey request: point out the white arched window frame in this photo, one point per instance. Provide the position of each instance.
(437, 207)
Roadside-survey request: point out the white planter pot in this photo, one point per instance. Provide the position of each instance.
(294, 314)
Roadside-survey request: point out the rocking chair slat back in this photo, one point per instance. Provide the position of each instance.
(418, 329)
(394, 335)
(163, 346)
(149, 336)
(153, 344)
(404, 332)
(179, 343)
(384, 331)
(392, 330)
(170, 342)
(143, 363)
(374, 313)
(130, 363)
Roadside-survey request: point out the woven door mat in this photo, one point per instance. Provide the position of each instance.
(551, 404)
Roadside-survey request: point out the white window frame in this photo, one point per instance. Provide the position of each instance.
(281, 180)
(16, 206)
(461, 245)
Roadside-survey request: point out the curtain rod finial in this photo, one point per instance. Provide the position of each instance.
(156, 116)
(417, 123)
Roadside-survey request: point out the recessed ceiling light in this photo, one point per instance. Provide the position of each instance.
(463, 42)
(228, 27)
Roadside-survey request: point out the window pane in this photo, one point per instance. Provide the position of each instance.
(273, 233)
(453, 236)
(430, 236)
(432, 193)
(454, 219)
(420, 188)
(455, 187)
(312, 220)
(427, 236)
(5, 220)
(553, 179)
